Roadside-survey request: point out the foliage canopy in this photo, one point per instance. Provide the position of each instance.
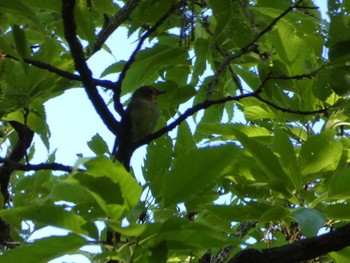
(223, 183)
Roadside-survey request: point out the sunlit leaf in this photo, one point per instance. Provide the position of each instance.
(45, 249)
(46, 215)
(98, 145)
(320, 153)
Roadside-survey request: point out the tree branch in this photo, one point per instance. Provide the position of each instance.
(235, 78)
(247, 48)
(302, 250)
(65, 74)
(76, 49)
(191, 111)
(117, 90)
(122, 15)
(37, 167)
(208, 103)
(322, 110)
(25, 138)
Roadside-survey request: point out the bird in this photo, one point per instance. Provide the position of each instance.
(140, 119)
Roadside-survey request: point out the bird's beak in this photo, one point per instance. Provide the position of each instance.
(160, 92)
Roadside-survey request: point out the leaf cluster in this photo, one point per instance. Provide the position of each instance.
(252, 148)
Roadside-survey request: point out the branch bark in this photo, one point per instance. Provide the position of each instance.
(25, 138)
(117, 88)
(208, 103)
(77, 53)
(252, 45)
(37, 167)
(113, 24)
(305, 249)
(62, 73)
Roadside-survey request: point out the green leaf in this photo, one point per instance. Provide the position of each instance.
(45, 249)
(18, 8)
(149, 62)
(37, 122)
(174, 95)
(339, 79)
(269, 163)
(113, 68)
(98, 145)
(46, 215)
(184, 140)
(309, 220)
(21, 41)
(337, 211)
(108, 190)
(129, 187)
(157, 163)
(258, 113)
(201, 49)
(340, 52)
(72, 191)
(341, 256)
(287, 157)
(213, 114)
(179, 74)
(248, 76)
(6, 47)
(181, 233)
(159, 253)
(320, 153)
(275, 214)
(84, 21)
(226, 130)
(290, 46)
(133, 230)
(35, 185)
(238, 213)
(194, 171)
(339, 186)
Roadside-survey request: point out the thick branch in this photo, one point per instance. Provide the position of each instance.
(76, 49)
(25, 138)
(122, 15)
(305, 249)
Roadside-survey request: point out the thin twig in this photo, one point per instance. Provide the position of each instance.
(247, 48)
(121, 16)
(117, 90)
(250, 17)
(208, 103)
(234, 76)
(287, 110)
(37, 167)
(62, 73)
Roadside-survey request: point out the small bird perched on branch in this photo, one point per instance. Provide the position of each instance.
(140, 119)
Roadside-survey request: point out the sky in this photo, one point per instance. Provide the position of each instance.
(73, 120)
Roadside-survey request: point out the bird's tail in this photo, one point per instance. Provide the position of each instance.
(122, 151)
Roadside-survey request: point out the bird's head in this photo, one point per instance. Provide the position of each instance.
(147, 93)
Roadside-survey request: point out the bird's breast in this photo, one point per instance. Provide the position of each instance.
(144, 116)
